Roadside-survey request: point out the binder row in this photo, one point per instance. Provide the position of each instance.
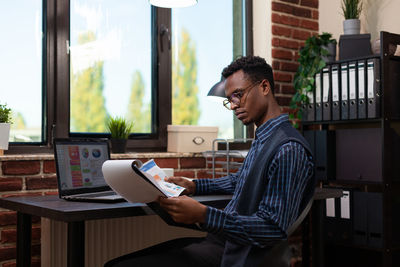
(345, 91)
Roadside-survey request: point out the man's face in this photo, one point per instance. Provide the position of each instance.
(246, 98)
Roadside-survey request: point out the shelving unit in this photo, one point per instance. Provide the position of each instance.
(362, 156)
(227, 155)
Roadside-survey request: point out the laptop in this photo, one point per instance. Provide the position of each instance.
(78, 166)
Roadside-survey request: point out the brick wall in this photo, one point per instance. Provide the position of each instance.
(293, 21)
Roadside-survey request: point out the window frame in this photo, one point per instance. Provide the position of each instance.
(56, 81)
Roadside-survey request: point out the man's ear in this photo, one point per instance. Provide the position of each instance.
(266, 87)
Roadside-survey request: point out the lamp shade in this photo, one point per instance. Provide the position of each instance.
(173, 3)
(218, 89)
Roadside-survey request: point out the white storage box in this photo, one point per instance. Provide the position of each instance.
(190, 138)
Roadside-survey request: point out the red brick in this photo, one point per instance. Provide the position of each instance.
(282, 8)
(8, 218)
(10, 184)
(283, 101)
(275, 64)
(284, 43)
(286, 20)
(310, 3)
(282, 77)
(167, 162)
(8, 253)
(301, 35)
(287, 89)
(9, 236)
(189, 174)
(301, 12)
(289, 66)
(281, 31)
(287, 110)
(33, 183)
(204, 174)
(20, 167)
(309, 24)
(315, 14)
(187, 163)
(282, 54)
(49, 166)
(291, 1)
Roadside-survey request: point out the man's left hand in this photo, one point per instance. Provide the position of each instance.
(184, 209)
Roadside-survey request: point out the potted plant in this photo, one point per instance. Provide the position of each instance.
(5, 122)
(351, 12)
(120, 130)
(312, 59)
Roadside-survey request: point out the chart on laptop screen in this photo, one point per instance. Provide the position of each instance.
(80, 165)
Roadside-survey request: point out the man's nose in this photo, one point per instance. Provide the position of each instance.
(234, 106)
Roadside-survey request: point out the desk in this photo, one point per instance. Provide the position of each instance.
(76, 213)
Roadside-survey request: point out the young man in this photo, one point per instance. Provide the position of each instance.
(276, 176)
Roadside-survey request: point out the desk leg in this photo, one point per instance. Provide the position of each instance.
(318, 243)
(76, 244)
(24, 233)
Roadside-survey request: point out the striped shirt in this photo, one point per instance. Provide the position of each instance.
(288, 174)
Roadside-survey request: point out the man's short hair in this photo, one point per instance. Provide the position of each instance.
(256, 68)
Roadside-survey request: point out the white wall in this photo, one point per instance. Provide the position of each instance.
(262, 29)
(377, 15)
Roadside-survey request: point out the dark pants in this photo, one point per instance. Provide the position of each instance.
(182, 252)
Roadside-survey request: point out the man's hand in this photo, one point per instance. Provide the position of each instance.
(184, 209)
(184, 182)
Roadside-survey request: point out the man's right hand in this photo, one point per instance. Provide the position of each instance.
(184, 182)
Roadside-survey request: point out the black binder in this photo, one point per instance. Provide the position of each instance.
(335, 93)
(344, 91)
(352, 91)
(326, 95)
(318, 97)
(304, 112)
(362, 107)
(375, 220)
(373, 88)
(360, 218)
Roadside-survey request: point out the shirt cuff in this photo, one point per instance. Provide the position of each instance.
(202, 186)
(214, 221)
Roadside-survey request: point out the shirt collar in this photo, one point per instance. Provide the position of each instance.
(265, 130)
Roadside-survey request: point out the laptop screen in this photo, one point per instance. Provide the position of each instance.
(78, 164)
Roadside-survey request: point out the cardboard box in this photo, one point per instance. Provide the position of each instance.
(190, 138)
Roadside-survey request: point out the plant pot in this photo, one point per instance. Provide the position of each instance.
(4, 135)
(351, 26)
(331, 57)
(118, 145)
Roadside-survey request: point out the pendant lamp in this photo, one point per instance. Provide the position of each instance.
(173, 3)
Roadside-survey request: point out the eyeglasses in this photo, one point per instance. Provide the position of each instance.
(236, 97)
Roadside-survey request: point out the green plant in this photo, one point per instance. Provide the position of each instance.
(351, 8)
(119, 127)
(311, 62)
(5, 114)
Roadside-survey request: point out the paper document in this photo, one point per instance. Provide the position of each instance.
(138, 183)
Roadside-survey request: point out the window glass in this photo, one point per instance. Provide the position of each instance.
(21, 50)
(110, 64)
(202, 45)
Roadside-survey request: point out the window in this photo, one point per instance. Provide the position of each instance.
(21, 87)
(77, 62)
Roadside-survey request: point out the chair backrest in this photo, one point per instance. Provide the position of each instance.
(280, 254)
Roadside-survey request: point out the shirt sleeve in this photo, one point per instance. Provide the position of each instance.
(223, 185)
(288, 174)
